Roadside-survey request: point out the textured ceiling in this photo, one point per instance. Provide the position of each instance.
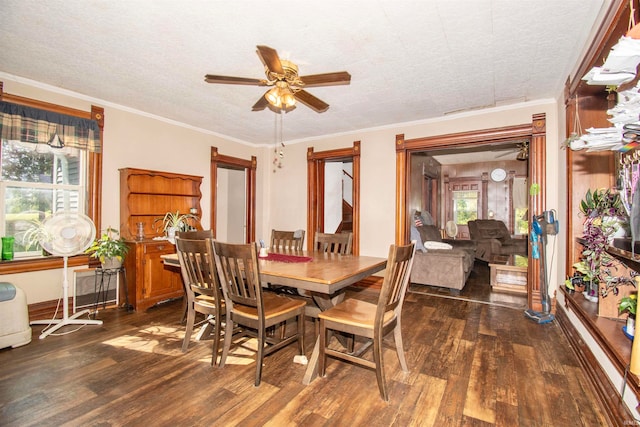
(409, 60)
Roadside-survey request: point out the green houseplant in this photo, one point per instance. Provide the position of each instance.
(174, 222)
(35, 234)
(110, 249)
(629, 304)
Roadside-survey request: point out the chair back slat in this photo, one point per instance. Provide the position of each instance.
(338, 243)
(198, 266)
(396, 280)
(239, 273)
(283, 240)
(195, 234)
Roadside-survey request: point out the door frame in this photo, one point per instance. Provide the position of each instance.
(315, 190)
(535, 132)
(249, 166)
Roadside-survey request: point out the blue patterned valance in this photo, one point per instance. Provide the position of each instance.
(27, 124)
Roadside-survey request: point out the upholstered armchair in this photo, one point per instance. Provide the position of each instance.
(492, 238)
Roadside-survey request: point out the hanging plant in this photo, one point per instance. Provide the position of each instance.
(603, 212)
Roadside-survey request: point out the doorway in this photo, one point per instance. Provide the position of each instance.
(322, 169)
(233, 192)
(231, 205)
(534, 132)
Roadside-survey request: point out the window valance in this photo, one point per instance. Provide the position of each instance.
(28, 124)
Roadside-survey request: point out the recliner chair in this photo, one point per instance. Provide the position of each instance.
(492, 238)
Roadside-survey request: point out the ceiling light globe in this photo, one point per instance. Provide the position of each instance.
(273, 97)
(288, 100)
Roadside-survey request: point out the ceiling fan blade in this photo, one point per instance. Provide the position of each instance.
(508, 153)
(212, 78)
(327, 79)
(261, 104)
(270, 59)
(311, 101)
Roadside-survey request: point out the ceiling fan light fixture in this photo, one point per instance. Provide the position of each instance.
(273, 96)
(281, 96)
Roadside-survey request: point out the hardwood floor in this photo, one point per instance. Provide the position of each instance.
(470, 364)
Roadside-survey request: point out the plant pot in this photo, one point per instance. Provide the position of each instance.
(171, 234)
(631, 325)
(591, 291)
(111, 264)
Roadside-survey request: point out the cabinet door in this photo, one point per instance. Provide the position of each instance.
(159, 282)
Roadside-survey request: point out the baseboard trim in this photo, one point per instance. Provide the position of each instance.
(615, 409)
(46, 309)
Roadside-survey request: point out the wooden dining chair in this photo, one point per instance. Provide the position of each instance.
(195, 234)
(337, 243)
(251, 309)
(371, 321)
(202, 287)
(292, 240)
(191, 235)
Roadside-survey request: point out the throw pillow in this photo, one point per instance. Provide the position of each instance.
(429, 233)
(437, 245)
(415, 236)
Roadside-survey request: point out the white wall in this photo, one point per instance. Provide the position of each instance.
(134, 140)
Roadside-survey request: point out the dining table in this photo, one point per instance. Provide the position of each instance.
(323, 276)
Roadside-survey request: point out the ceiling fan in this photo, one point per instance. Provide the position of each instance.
(287, 85)
(522, 149)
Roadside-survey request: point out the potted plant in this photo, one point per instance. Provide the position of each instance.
(110, 249)
(174, 222)
(35, 234)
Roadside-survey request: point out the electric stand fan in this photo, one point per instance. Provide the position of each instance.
(70, 233)
(451, 228)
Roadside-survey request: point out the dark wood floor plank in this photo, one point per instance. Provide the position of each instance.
(470, 364)
(480, 402)
(506, 386)
(423, 409)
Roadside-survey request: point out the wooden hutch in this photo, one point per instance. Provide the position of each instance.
(145, 196)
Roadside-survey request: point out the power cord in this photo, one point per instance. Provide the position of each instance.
(54, 318)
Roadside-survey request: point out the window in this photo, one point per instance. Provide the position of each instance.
(465, 206)
(64, 179)
(521, 221)
(37, 180)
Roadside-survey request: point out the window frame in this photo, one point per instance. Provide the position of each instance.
(94, 186)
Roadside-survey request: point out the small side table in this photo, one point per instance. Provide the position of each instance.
(509, 276)
(102, 284)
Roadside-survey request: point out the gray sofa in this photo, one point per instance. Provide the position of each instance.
(446, 268)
